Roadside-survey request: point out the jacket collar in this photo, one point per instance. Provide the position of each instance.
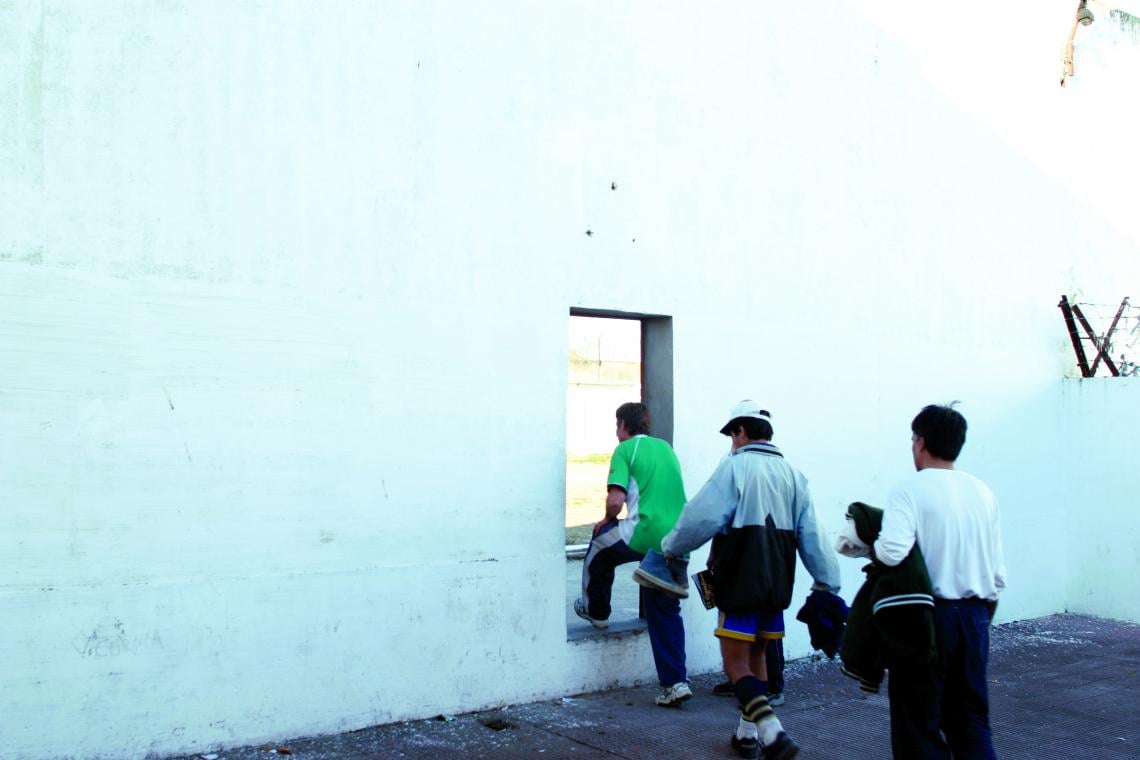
(759, 448)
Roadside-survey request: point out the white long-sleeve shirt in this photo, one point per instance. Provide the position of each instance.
(953, 517)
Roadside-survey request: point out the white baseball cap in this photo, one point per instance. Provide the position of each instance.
(745, 408)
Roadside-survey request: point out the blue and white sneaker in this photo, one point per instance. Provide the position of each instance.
(659, 574)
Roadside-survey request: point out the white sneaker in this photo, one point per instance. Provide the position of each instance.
(673, 696)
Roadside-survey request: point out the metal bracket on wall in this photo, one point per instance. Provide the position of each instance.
(1078, 349)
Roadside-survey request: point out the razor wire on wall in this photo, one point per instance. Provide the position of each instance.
(1109, 333)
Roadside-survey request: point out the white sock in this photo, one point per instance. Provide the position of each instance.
(769, 729)
(746, 729)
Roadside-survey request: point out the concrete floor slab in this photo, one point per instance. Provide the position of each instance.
(1061, 686)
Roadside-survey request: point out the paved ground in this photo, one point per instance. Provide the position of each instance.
(1064, 686)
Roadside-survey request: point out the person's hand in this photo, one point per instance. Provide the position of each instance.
(601, 524)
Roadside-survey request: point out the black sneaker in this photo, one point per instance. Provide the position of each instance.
(781, 749)
(777, 699)
(747, 748)
(724, 689)
(583, 611)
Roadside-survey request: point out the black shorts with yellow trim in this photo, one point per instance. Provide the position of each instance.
(751, 626)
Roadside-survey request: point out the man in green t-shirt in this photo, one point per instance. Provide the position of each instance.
(645, 476)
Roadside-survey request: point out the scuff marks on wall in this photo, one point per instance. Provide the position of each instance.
(110, 638)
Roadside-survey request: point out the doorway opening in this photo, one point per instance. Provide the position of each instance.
(614, 357)
(604, 373)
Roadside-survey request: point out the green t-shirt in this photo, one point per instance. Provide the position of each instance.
(648, 470)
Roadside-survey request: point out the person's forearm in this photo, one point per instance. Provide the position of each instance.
(896, 539)
(889, 553)
(679, 542)
(615, 500)
(898, 532)
(692, 530)
(820, 562)
(701, 518)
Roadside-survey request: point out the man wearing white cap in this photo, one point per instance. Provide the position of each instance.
(758, 512)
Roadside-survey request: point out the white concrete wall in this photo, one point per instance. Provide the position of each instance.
(283, 304)
(1103, 492)
(590, 415)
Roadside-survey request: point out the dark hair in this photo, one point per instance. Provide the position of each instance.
(635, 418)
(755, 429)
(942, 429)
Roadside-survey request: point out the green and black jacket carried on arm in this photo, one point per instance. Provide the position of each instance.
(892, 616)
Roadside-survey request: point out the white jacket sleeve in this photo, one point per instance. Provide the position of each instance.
(819, 561)
(704, 515)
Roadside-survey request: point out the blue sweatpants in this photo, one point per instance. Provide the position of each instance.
(662, 611)
(942, 711)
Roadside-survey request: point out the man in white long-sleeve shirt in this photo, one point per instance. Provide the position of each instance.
(943, 711)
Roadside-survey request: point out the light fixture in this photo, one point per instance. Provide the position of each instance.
(1084, 15)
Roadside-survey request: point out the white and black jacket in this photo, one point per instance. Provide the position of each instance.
(757, 509)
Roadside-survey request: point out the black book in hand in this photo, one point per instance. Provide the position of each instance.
(704, 584)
